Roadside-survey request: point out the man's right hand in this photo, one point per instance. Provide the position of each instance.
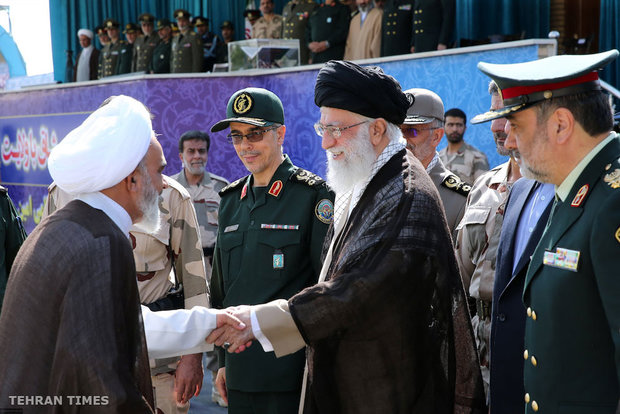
(220, 384)
(234, 338)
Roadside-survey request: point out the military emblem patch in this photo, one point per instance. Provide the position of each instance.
(278, 260)
(580, 196)
(325, 211)
(275, 189)
(613, 178)
(242, 104)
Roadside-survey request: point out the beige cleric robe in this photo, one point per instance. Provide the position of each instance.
(364, 41)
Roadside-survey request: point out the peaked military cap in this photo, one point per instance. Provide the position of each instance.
(427, 106)
(523, 84)
(161, 23)
(179, 13)
(201, 21)
(131, 28)
(109, 23)
(228, 24)
(254, 106)
(146, 18)
(251, 14)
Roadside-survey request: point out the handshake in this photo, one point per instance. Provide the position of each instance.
(234, 329)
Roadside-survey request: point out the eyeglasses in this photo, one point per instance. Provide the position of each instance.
(254, 136)
(335, 132)
(414, 131)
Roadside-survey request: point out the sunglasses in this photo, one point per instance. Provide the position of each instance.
(254, 136)
(414, 131)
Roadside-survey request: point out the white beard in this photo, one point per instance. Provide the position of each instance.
(359, 155)
(149, 206)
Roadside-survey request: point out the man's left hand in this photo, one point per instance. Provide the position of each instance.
(188, 378)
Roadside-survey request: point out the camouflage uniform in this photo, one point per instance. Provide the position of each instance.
(186, 53)
(468, 163)
(263, 29)
(143, 52)
(476, 247)
(177, 237)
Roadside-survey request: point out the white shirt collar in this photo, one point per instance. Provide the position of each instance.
(111, 208)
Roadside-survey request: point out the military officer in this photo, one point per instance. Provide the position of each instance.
(269, 25)
(296, 14)
(11, 239)
(102, 35)
(327, 31)
(186, 46)
(210, 43)
(396, 27)
(145, 44)
(170, 275)
(272, 224)
(561, 122)
(115, 56)
(160, 61)
(433, 24)
(423, 129)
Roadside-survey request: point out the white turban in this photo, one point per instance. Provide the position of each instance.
(105, 149)
(86, 32)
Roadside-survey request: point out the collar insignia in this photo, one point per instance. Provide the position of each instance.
(275, 188)
(580, 196)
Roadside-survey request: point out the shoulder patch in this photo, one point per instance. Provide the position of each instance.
(306, 177)
(232, 186)
(324, 211)
(455, 184)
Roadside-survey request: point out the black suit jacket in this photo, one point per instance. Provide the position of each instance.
(508, 314)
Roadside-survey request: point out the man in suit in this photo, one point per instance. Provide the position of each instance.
(561, 122)
(386, 326)
(525, 216)
(423, 129)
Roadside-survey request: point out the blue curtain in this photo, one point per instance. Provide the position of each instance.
(479, 19)
(609, 38)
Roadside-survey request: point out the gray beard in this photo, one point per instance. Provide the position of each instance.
(342, 175)
(149, 206)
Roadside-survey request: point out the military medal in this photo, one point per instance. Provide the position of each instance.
(562, 259)
(278, 260)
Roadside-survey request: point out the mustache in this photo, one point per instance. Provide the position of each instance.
(244, 153)
(499, 135)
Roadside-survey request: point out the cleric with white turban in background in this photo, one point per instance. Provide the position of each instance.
(71, 323)
(87, 61)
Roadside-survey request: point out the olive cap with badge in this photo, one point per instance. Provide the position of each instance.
(111, 23)
(181, 13)
(427, 106)
(227, 24)
(200, 21)
(146, 18)
(131, 28)
(254, 106)
(161, 23)
(522, 85)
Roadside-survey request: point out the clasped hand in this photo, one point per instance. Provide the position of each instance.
(234, 329)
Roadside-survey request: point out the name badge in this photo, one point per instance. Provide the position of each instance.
(228, 229)
(562, 259)
(278, 260)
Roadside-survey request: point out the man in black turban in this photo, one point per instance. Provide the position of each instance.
(386, 327)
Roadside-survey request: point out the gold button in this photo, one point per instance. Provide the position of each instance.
(534, 406)
(525, 354)
(529, 311)
(417, 31)
(421, 30)
(533, 359)
(534, 315)
(527, 398)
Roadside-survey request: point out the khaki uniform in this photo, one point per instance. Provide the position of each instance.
(186, 53)
(453, 193)
(476, 248)
(178, 238)
(468, 163)
(262, 29)
(143, 52)
(296, 14)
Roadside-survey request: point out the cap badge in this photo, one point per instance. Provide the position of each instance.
(547, 94)
(580, 196)
(242, 104)
(613, 178)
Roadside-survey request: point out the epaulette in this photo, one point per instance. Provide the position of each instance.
(230, 187)
(306, 177)
(218, 178)
(612, 177)
(455, 184)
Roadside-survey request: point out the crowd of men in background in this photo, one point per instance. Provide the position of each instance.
(333, 30)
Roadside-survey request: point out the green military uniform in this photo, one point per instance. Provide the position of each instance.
(296, 14)
(12, 235)
(160, 61)
(115, 58)
(269, 245)
(186, 53)
(396, 28)
(433, 23)
(331, 24)
(125, 57)
(144, 48)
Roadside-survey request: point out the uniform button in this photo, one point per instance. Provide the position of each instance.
(529, 311)
(501, 317)
(393, 33)
(421, 30)
(534, 406)
(525, 354)
(252, 222)
(527, 398)
(533, 359)
(534, 315)
(389, 24)
(417, 31)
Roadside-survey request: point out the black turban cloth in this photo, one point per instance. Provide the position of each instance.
(364, 90)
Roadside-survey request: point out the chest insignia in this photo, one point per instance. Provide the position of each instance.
(324, 211)
(233, 227)
(613, 178)
(562, 258)
(278, 260)
(275, 188)
(580, 196)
